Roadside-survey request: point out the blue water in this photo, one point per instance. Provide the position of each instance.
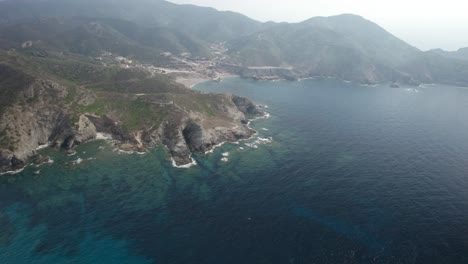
(354, 175)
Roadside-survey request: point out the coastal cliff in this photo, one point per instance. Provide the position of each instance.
(49, 112)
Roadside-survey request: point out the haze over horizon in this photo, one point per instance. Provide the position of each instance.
(425, 25)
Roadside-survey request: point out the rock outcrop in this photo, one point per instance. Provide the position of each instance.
(186, 133)
(37, 119)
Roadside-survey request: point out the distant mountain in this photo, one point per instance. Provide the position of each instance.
(435, 68)
(366, 36)
(461, 54)
(92, 36)
(346, 46)
(204, 23)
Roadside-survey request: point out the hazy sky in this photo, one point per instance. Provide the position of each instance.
(425, 24)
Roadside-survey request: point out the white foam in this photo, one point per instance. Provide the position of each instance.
(265, 116)
(269, 139)
(251, 145)
(308, 78)
(412, 90)
(259, 141)
(186, 166)
(126, 152)
(214, 147)
(48, 161)
(103, 136)
(42, 147)
(78, 161)
(72, 154)
(241, 148)
(369, 85)
(226, 154)
(265, 129)
(13, 172)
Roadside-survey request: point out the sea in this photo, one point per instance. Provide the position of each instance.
(339, 173)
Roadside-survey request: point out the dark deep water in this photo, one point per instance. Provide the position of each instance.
(354, 175)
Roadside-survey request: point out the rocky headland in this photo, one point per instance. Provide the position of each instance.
(50, 113)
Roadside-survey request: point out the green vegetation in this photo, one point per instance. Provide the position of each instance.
(76, 72)
(201, 103)
(133, 113)
(155, 84)
(92, 36)
(12, 82)
(7, 141)
(348, 47)
(138, 114)
(115, 89)
(203, 23)
(345, 46)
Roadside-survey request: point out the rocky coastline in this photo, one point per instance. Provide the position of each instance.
(44, 123)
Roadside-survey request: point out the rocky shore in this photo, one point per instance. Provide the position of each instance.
(44, 122)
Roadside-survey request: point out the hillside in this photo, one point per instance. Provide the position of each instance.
(93, 36)
(64, 101)
(461, 54)
(346, 46)
(204, 23)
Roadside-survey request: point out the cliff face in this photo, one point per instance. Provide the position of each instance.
(187, 132)
(36, 119)
(45, 114)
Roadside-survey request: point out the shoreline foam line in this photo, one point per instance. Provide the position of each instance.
(40, 147)
(13, 172)
(214, 147)
(103, 136)
(186, 166)
(194, 163)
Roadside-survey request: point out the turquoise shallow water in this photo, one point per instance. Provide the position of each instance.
(353, 175)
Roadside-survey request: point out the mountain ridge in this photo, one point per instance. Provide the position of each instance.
(345, 46)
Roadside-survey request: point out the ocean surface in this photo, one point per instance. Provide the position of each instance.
(353, 174)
